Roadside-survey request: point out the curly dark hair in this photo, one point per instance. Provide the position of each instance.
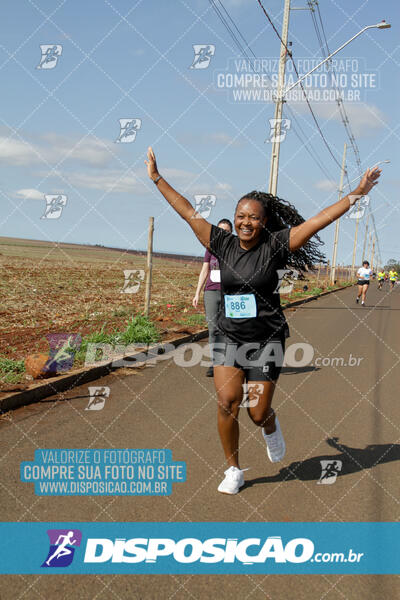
(281, 215)
(226, 222)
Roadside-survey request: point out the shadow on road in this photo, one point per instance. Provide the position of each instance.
(63, 398)
(294, 370)
(353, 460)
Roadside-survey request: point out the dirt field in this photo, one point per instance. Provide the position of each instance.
(47, 288)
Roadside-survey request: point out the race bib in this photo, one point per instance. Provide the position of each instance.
(240, 307)
(215, 275)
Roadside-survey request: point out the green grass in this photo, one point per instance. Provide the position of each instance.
(139, 329)
(11, 370)
(7, 365)
(121, 312)
(193, 320)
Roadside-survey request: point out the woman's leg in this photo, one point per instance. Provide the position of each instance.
(364, 292)
(260, 395)
(360, 290)
(229, 386)
(212, 303)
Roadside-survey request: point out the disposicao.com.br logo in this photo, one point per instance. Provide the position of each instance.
(247, 551)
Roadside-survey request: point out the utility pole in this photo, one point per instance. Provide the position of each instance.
(365, 238)
(372, 255)
(276, 145)
(335, 242)
(149, 265)
(355, 242)
(369, 244)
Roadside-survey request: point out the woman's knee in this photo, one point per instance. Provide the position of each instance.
(228, 403)
(261, 417)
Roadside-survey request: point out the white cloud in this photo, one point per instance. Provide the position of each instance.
(107, 181)
(178, 174)
(15, 152)
(90, 150)
(226, 187)
(325, 185)
(51, 148)
(219, 138)
(364, 118)
(29, 194)
(116, 181)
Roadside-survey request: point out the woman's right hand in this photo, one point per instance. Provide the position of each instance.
(195, 300)
(151, 164)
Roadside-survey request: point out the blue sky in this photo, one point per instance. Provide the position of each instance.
(124, 59)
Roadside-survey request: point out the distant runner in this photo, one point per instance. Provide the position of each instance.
(271, 235)
(210, 274)
(364, 275)
(392, 278)
(381, 279)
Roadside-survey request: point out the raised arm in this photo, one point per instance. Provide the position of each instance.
(200, 226)
(300, 234)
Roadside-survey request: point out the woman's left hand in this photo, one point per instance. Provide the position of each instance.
(368, 181)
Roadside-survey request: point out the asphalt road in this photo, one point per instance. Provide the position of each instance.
(328, 409)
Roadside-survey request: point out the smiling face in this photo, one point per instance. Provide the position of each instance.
(249, 220)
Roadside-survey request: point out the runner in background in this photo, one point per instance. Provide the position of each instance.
(392, 278)
(364, 275)
(210, 274)
(381, 279)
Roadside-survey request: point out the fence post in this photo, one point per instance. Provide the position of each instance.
(149, 266)
(319, 272)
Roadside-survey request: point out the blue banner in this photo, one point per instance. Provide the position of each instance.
(103, 472)
(200, 548)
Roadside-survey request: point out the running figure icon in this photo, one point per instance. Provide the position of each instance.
(62, 549)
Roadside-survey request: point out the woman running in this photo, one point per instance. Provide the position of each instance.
(381, 279)
(364, 274)
(392, 278)
(211, 274)
(270, 235)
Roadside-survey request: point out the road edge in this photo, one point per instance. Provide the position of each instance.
(63, 383)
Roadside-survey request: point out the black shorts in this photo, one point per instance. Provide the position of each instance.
(260, 361)
(362, 282)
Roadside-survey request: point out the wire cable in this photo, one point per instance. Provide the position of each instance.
(302, 87)
(305, 144)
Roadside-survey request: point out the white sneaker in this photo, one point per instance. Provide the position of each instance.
(234, 480)
(276, 447)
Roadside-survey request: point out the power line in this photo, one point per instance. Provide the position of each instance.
(302, 87)
(305, 144)
(339, 101)
(342, 110)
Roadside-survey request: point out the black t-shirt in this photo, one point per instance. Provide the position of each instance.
(253, 271)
